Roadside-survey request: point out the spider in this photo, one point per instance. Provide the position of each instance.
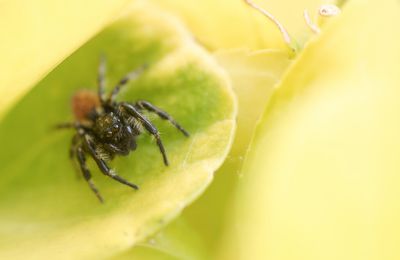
(106, 128)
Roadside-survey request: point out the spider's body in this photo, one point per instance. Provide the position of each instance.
(106, 128)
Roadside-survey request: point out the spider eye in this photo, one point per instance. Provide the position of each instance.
(115, 126)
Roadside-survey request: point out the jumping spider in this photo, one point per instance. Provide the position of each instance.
(106, 128)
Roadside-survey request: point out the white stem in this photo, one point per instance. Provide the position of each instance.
(310, 23)
(282, 29)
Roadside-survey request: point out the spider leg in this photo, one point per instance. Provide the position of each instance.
(72, 149)
(128, 77)
(142, 104)
(86, 173)
(67, 125)
(72, 152)
(101, 81)
(81, 129)
(103, 166)
(148, 125)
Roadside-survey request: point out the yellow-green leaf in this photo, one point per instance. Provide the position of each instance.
(46, 212)
(322, 178)
(37, 35)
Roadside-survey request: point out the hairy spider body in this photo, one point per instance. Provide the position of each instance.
(106, 128)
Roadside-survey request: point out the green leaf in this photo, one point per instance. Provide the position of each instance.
(46, 211)
(321, 180)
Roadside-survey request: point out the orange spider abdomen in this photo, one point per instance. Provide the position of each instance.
(84, 102)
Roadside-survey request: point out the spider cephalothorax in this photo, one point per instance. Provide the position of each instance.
(106, 128)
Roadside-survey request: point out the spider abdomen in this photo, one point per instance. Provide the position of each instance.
(84, 102)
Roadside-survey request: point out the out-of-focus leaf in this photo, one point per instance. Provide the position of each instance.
(46, 212)
(254, 76)
(37, 35)
(322, 178)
